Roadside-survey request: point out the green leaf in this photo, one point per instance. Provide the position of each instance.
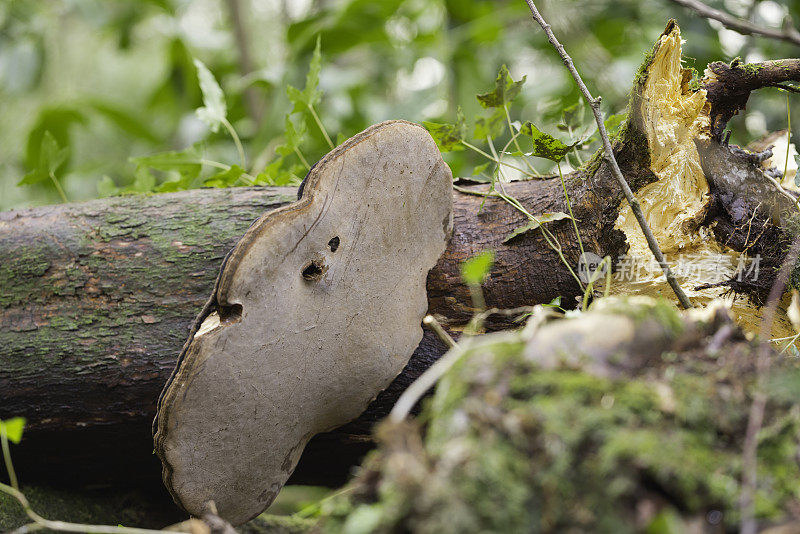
(505, 90)
(555, 303)
(340, 138)
(545, 145)
(106, 187)
(614, 122)
(124, 120)
(33, 177)
(214, 110)
(51, 157)
(310, 95)
(58, 121)
(533, 225)
(491, 126)
(293, 135)
(274, 174)
(186, 162)
(144, 182)
(480, 168)
(226, 178)
(475, 269)
(572, 116)
(12, 428)
(448, 136)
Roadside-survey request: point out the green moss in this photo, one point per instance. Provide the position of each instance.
(510, 447)
(749, 68)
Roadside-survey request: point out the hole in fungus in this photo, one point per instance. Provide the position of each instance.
(333, 244)
(314, 270)
(230, 314)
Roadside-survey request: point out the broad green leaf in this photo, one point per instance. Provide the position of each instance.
(51, 157)
(475, 269)
(106, 187)
(491, 126)
(545, 145)
(448, 136)
(533, 225)
(214, 110)
(310, 95)
(12, 428)
(505, 90)
(186, 162)
(226, 178)
(614, 122)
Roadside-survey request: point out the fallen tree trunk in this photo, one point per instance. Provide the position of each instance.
(96, 298)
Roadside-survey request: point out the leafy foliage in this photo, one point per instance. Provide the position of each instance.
(505, 90)
(214, 111)
(448, 137)
(475, 270)
(51, 157)
(120, 81)
(545, 145)
(310, 96)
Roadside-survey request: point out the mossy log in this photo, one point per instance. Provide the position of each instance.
(96, 298)
(549, 430)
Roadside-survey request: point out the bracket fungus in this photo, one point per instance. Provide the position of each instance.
(315, 311)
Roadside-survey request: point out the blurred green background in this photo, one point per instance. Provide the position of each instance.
(115, 79)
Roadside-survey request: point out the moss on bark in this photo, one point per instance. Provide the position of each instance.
(653, 436)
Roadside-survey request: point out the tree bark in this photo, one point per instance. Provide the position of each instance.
(96, 300)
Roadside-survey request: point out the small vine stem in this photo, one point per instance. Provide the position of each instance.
(432, 374)
(594, 103)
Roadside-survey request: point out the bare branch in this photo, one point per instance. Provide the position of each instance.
(788, 34)
(609, 153)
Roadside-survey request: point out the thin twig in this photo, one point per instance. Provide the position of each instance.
(756, 416)
(428, 379)
(594, 103)
(788, 34)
